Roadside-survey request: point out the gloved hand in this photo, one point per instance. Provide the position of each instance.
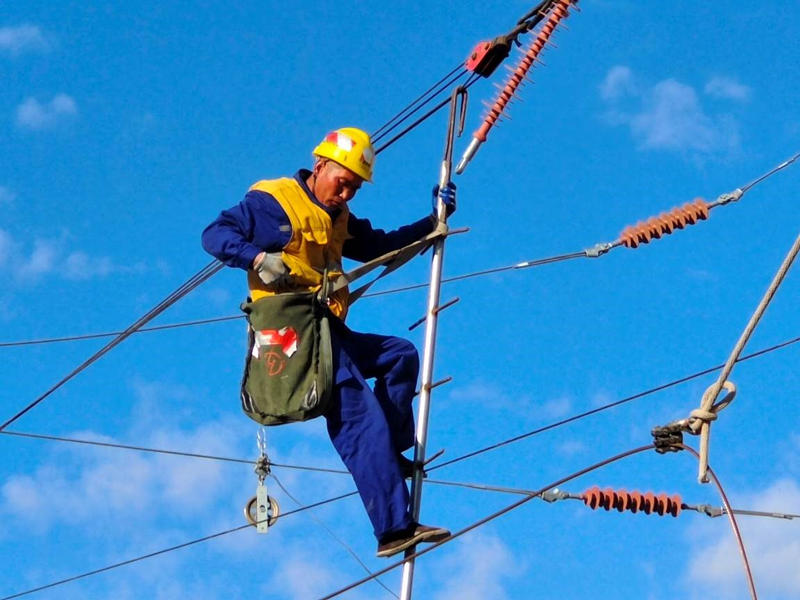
(271, 270)
(448, 196)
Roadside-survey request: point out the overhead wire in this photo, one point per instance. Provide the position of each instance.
(212, 320)
(331, 533)
(732, 519)
(93, 336)
(577, 417)
(321, 503)
(491, 517)
(165, 304)
(470, 81)
(443, 84)
(170, 549)
(605, 407)
(53, 438)
(704, 509)
(193, 282)
(592, 252)
(538, 493)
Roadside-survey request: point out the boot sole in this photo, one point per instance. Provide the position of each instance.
(436, 535)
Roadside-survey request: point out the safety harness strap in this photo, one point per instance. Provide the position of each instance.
(391, 261)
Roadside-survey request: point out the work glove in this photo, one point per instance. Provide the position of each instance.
(272, 271)
(448, 196)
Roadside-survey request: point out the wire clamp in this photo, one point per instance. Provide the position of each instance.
(710, 511)
(554, 495)
(729, 197)
(668, 438)
(598, 249)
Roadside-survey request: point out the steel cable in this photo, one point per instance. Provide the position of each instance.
(197, 279)
(323, 502)
(170, 549)
(549, 427)
(491, 517)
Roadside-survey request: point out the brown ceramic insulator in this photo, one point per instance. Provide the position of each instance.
(622, 500)
(559, 11)
(665, 223)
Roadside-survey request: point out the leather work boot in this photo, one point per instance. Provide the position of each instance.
(412, 536)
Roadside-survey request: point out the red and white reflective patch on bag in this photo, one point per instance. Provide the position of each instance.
(286, 338)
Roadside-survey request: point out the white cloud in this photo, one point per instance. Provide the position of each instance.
(669, 115)
(672, 118)
(6, 196)
(617, 83)
(99, 484)
(773, 549)
(728, 89)
(304, 574)
(6, 247)
(34, 115)
(79, 265)
(51, 258)
(555, 408)
(23, 38)
(477, 568)
(572, 448)
(40, 261)
(121, 504)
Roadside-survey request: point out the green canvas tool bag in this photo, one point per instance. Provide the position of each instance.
(288, 370)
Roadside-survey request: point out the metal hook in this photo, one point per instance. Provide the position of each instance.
(461, 93)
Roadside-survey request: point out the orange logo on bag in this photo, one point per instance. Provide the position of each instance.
(275, 363)
(285, 338)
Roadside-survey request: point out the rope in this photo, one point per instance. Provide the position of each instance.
(700, 420)
(201, 276)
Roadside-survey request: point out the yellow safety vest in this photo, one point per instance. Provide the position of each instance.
(316, 243)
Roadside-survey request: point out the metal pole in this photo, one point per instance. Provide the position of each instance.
(429, 348)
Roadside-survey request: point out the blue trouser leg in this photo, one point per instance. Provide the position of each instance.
(394, 363)
(369, 428)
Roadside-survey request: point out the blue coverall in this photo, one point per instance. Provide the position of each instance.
(369, 428)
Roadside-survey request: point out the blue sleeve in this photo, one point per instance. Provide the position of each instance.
(256, 224)
(367, 243)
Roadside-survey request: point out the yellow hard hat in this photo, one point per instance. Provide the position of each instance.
(351, 148)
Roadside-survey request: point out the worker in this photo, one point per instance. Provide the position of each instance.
(275, 234)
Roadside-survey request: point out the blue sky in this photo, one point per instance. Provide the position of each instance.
(125, 129)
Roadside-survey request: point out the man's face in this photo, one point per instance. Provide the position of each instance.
(334, 185)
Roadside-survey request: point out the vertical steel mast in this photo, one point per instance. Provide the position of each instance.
(431, 321)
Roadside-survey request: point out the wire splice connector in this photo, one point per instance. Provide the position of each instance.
(622, 500)
(665, 223)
